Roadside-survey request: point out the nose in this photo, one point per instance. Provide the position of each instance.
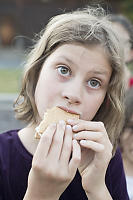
(72, 92)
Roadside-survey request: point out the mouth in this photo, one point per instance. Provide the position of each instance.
(69, 110)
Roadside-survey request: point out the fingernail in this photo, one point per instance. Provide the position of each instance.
(75, 127)
(83, 141)
(75, 141)
(70, 120)
(68, 127)
(74, 136)
(37, 129)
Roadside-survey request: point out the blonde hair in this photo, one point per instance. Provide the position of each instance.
(88, 26)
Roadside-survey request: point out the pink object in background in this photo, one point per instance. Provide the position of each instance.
(131, 82)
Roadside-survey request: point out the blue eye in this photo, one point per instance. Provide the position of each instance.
(65, 71)
(93, 83)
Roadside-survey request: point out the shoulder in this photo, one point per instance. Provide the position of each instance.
(115, 178)
(8, 136)
(115, 168)
(7, 139)
(11, 147)
(12, 150)
(116, 161)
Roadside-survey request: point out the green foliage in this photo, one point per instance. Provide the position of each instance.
(130, 67)
(127, 8)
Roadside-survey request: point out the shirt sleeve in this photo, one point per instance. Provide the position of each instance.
(115, 178)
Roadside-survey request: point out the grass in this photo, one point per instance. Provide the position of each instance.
(10, 80)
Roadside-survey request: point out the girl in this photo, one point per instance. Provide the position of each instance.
(76, 65)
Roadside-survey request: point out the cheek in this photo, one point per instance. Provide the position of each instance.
(92, 106)
(39, 99)
(45, 94)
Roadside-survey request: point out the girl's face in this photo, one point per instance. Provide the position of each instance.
(74, 77)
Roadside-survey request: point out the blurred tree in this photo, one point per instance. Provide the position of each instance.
(126, 8)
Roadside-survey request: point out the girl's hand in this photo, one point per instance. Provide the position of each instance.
(52, 169)
(96, 152)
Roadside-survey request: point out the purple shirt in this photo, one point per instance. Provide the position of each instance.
(15, 164)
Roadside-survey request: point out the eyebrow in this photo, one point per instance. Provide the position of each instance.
(101, 72)
(67, 59)
(97, 72)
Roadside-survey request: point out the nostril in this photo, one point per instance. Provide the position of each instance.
(66, 97)
(77, 102)
(72, 100)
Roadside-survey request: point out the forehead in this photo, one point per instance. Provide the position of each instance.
(83, 56)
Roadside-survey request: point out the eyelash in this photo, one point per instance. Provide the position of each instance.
(98, 82)
(70, 72)
(65, 68)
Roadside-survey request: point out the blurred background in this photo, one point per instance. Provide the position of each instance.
(20, 21)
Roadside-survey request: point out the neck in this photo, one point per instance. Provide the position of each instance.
(27, 138)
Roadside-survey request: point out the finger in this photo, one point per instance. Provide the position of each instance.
(80, 125)
(73, 122)
(97, 147)
(45, 141)
(76, 158)
(88, 125)
(88, 135)
(57, 142)
(67, 146)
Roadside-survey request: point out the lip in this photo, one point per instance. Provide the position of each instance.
(68, 110)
